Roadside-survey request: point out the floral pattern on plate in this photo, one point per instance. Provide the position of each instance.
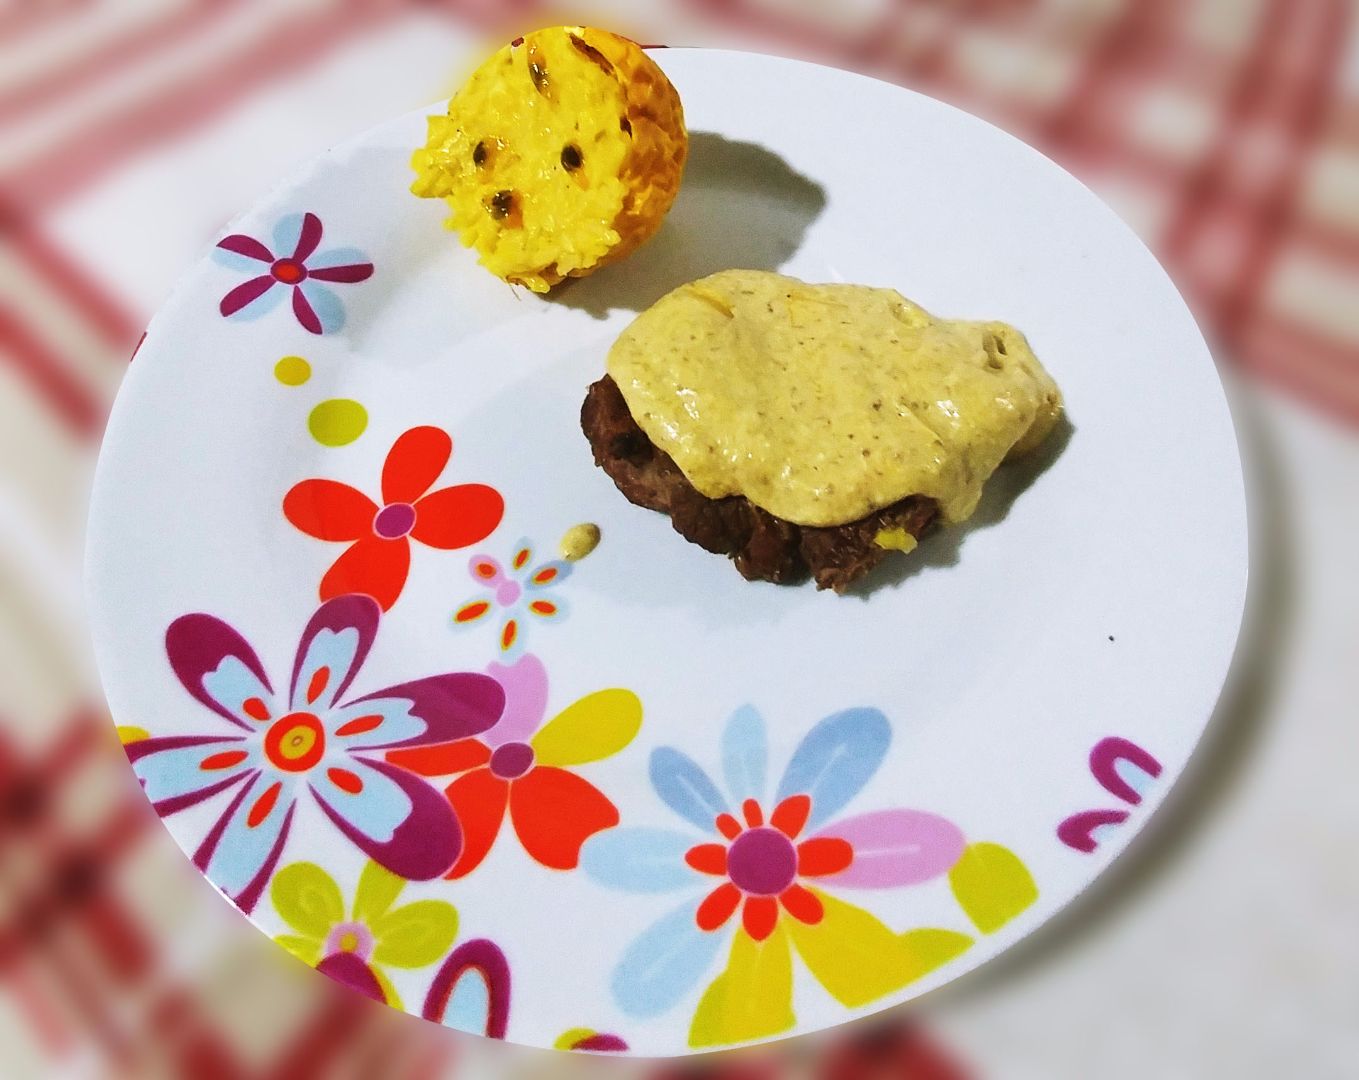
(767, 883)
(470, 990)
(520, 770)
(353, 947)
(293, 265)
(1124, 770)
(378, 558)
(524, 589)
(314, 741)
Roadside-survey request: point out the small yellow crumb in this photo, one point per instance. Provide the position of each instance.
(579, 541)
(895, 540)
(129, 734)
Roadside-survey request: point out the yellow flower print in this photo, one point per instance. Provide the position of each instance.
(353, 949)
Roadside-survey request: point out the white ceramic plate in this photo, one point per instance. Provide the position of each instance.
(972, 740)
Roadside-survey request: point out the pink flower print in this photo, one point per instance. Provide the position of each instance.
(522, 590)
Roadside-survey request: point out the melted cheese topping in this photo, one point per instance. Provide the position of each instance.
(823, 403)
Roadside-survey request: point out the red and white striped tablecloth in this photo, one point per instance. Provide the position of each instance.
(1225, 131)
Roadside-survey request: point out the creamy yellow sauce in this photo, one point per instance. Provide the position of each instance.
(823, 403)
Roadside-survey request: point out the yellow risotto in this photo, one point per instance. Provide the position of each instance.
(561, 153)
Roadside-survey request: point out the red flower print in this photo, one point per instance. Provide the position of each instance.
(378, 557)
(510, 769)
(779, 864)
(295, 264)
(762, 864)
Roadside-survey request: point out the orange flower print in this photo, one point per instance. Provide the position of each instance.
(379, 554)
(518, 769)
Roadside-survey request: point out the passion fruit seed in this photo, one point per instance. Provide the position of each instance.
(571, 159)
(502, 204)
(590, 52)
(538, 74)
(625, 125)
(479, 154)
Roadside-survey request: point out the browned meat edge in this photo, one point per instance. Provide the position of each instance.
(764, 547)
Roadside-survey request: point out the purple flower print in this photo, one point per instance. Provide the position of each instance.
(310, 743)
(317, 308)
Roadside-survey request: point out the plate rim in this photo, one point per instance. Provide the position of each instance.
(1232, 647)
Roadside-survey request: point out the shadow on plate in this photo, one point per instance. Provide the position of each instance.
(641, 563)
(1229, 744)
(943, 546)
(741, 206)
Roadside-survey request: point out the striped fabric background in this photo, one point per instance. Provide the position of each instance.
(1225, 131)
